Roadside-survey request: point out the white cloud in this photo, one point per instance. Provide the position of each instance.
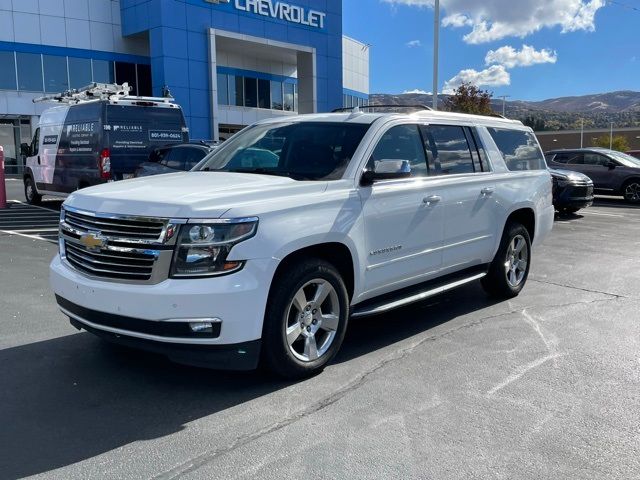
(414, 44)
(492, 20)
(510, 57)
(416, 91)
(494, 76)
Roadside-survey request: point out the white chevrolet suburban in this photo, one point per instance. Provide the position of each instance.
(271, 244)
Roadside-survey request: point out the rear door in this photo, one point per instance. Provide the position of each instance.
(133, 131)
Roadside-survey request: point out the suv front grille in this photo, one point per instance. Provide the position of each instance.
(110, 263)
(123, 227)
(121, 248)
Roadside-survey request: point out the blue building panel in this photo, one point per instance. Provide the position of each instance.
(179, 53)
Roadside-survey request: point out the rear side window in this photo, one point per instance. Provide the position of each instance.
(519, 149)
(451, 149)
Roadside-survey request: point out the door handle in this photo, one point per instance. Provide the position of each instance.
(487, 191)
(431, 200)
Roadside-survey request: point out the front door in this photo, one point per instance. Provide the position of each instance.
(469, 203)
(403, 218)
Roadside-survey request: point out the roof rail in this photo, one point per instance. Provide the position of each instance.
(362, 107)
(97, 91)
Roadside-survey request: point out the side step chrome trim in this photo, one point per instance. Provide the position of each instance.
(385, 307)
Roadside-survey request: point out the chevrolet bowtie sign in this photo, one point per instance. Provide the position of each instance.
(280, 10)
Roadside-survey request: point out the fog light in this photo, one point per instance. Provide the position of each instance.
(201, 327)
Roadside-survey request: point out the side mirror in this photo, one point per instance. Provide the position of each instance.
(611, 165)
(386, 170)
(25, 149)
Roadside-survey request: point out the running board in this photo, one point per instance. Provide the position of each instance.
(378, 306)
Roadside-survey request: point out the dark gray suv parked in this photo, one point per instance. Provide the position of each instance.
(613, 173)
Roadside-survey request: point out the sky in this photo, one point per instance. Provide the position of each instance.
(527, 49)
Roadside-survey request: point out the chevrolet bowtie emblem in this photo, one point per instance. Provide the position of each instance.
(93, 241)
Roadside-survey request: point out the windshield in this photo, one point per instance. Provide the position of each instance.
(626, 160)
(298, 150)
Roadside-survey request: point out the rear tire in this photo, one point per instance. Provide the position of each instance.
(305, 320)
(509, 270)
(631, 191)
(30, 193)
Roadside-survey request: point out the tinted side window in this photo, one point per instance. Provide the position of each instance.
(453, 153)
(595, 159)
(519, 149)
(402, 142)
(174, 159)
(189, 156)
(35, 147)
(576, 159)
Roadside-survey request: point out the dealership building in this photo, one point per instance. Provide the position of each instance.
(228, 63)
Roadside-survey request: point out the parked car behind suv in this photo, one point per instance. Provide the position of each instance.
(175, 158)
(265, 257)
(572, 191)
(613, 173)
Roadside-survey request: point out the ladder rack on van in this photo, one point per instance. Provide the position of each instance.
(100, 91)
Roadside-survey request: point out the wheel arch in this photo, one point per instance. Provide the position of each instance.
(526, 216)
(336, 253)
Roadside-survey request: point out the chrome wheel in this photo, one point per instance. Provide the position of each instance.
(517, 261)
(312, 319)
(632, 192)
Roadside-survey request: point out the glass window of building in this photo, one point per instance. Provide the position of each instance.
(126, 72)
(288, 97)
(264, 94)
(250, 92)
(29, 72)
(8, 71)
(276, 95)
(223, 89)
(236, 91)
(103, 71)
(56, 78)
(145, 88)
(79, 72)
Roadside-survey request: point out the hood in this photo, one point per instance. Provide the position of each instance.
(569, 175)
(189, 194)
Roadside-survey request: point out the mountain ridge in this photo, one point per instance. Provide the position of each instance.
(596, 110)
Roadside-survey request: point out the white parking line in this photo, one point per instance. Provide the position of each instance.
(26, 205)
(26, 235)
(599, 214)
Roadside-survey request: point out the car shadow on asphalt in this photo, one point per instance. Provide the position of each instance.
(72, 398)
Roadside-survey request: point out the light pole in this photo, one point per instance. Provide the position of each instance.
(504, 103)
(611, 137)
(582, 133)
(436, 49)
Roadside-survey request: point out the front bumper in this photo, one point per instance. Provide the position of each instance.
(573, 196)
(237, 301)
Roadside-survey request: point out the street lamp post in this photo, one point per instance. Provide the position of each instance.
(436, 41)
(611, 138)
(504, 103)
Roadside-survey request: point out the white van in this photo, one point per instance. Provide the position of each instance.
(95, 135)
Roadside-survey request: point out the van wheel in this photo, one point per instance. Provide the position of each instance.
(631, 191)
(306, 319)
(509, 270)
(30, 192)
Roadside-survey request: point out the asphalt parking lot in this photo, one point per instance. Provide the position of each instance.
(544, 386)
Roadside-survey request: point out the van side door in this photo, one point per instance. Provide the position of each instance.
(403, 218)
(471, 216)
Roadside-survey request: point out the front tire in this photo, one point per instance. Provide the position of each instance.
(631, 191)
(509, 270)
(306, 319)
(31, 193)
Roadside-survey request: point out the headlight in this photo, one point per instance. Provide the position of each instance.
(202, 248)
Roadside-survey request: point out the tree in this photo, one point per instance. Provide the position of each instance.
(537, 124)
(468, 98)
(620, 142)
